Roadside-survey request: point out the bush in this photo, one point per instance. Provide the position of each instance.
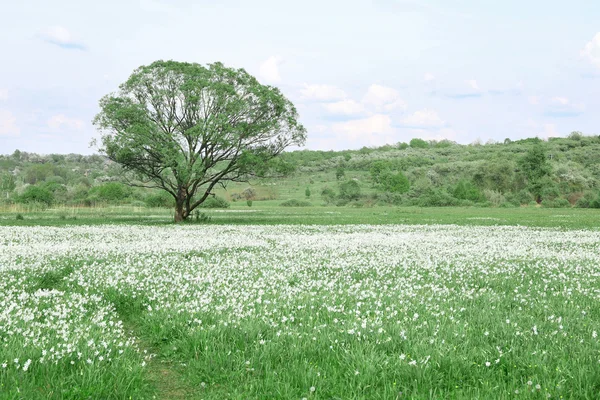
(394, 183)
(110, 192)
(295, 203)
(328, 195)
(215, 202)
(465, 190)
(494, 197)
(160, 199)
(437, 198)
(350, 190)
(36, 194)
(556, 203)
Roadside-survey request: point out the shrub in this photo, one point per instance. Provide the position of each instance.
(328, 195)
(110, 192)
(494, 197)
(394, 183)
(465, 190)
(160, 199)
(556, 203)
(350, 190)
(307, 192)
(215, 202)
(20, 217)
(295, 203)
(36, 194)
(249, 203)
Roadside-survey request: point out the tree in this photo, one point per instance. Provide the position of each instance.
(377, 168)
(340, 172)
(535, 168)
(7, 183)
(185, 128)
(417, 143)
(394, 182)
(307, 192)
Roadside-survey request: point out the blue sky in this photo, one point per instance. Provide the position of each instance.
(362, 72)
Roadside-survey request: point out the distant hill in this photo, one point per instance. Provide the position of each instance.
(559, 172)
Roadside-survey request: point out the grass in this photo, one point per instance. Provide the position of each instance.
(260, 305)
(270, 212)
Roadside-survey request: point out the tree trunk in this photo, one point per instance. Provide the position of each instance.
(180, 212)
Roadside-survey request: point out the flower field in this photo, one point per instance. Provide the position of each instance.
(292, 312)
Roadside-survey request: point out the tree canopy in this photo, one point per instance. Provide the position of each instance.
(184, 128)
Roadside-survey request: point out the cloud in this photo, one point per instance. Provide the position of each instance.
(269, 70)
(322, 93)
(591, 51)
(344, 107)
(60, 121)
(61, 37)
(8, 124)
(3, 94)
(534, 100)
(428, 77)
(383, 98)
(473, 84)
(423, 119)
(559, 107)
(374, 125)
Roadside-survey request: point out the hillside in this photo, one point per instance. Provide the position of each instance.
(560, 172)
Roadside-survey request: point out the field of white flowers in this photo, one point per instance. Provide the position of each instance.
(292, 312)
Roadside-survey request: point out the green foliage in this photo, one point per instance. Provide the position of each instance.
(377, 168)
(328, 195)
(556, 203)
(160, 199)
(394, 182)
(307, 192)
(36, 194)
(419, 144)
(465, 190)
(350, 190)
(226, 127)
(216, 202)
(295, 203)
(113, 192)
(535, 167)
(340, 173)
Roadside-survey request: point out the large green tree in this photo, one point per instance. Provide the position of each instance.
(184, 128)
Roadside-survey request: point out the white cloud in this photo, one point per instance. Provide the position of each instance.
(60, 36)
(3, 94)
(428, 77)
(547, 131)
(473, 84)
(560, 100)
(344, 107)
(377, 124)
(383, 98)
(8, 124)
(534, 100)
(60, 121)
(592, 50)
(424, 118)
(269, 70)
(322, 92)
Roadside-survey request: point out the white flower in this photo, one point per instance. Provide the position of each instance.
(312, 389)
(402, 356)
(487, 363)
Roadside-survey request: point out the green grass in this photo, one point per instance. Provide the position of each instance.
(269, 212)
(462, 299)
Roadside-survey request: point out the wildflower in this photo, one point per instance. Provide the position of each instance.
(487, 363)
(312, 389)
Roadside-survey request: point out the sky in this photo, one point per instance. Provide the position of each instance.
(360, 72)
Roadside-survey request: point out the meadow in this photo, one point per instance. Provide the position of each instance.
(377, 303)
